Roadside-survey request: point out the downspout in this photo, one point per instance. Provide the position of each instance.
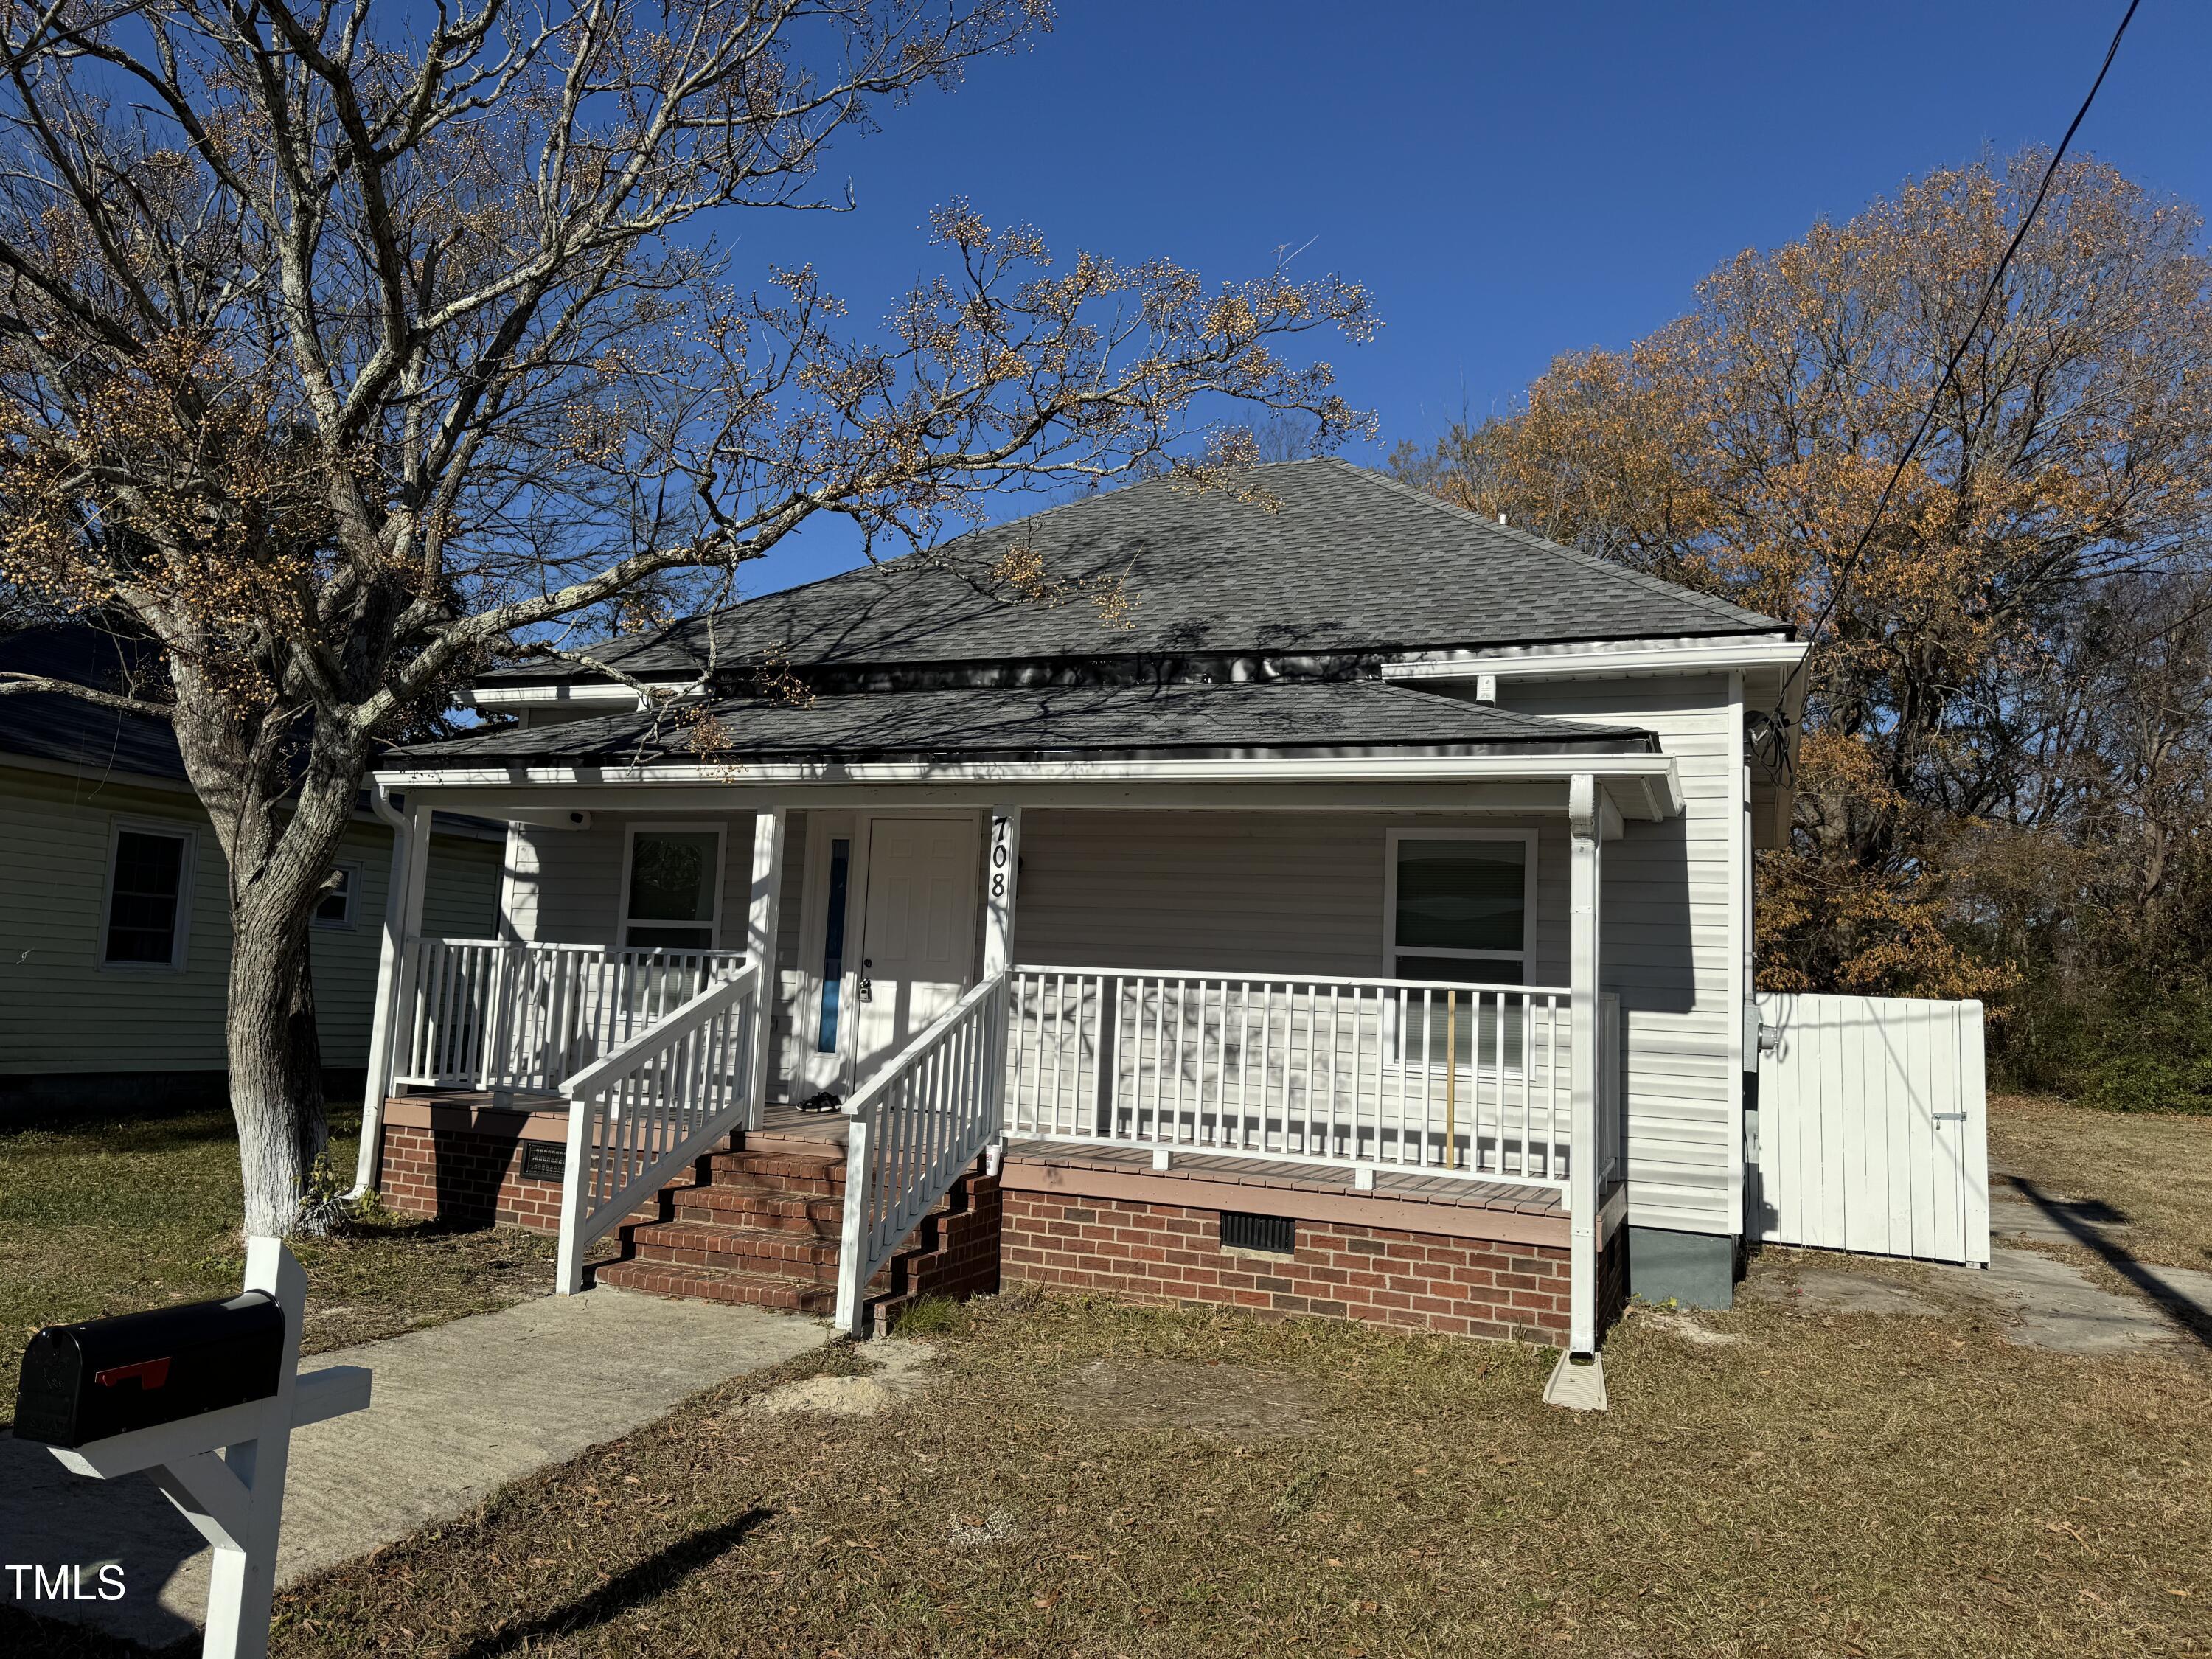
(385, 1014)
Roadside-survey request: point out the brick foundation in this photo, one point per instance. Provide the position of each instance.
(966, 1260)
(465, 1169)
(468, 1177)
(1169, 1254)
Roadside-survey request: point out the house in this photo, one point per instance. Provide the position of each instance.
(114, 946)
(1327, 901)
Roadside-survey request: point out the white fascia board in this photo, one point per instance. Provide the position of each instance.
(592, 694)
(1646, 786)
(1681, 656)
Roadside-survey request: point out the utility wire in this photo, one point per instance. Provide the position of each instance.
(1842, 583)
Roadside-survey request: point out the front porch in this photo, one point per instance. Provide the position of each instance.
(1450, 1129)
(1460, 1113)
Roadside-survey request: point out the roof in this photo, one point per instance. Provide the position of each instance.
(54, 727)
(1348, 560)
(1276, 717)
(50, 726)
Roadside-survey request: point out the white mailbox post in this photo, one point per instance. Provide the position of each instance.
(225, 1469)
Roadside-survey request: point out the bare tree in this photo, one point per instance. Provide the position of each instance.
(339, 342)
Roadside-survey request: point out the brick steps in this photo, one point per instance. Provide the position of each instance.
(760, 1226)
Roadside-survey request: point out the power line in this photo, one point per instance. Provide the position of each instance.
(1838, 588)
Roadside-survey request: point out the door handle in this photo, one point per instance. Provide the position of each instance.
(866, 991)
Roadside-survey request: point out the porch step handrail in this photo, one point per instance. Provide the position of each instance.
(913, 1129)
(490, 1013)
(638, 1114)
(1345, 1071)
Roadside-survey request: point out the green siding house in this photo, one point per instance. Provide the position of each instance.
(114, 937)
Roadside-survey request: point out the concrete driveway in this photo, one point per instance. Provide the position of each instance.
(2038, 1299)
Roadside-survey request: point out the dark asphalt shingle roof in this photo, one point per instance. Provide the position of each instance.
(1351, 560)
(1292, 717)
(57, 728)
(52, 727)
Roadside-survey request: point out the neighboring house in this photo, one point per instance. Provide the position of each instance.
(1330, 903)
(114, 931)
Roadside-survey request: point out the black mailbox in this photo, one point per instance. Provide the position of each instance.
(107, 1376)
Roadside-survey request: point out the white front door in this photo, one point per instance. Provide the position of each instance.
(918, 938)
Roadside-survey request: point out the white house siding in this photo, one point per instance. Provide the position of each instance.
(1240, 892)
(62, 1012)
(1666, 938)
(564, 887)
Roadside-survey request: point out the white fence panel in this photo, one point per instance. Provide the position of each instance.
(1873, 1126)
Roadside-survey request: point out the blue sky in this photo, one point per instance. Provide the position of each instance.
(1512, 182)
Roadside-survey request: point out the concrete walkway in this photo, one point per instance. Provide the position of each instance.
(456, 1411)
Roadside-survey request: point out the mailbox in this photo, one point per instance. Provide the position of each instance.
(107, 1377)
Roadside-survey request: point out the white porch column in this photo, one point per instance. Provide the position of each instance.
(391, 1016)
(1583, 824)
(1002, 869)
(759, 945)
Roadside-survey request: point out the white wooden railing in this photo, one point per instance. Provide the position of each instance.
(638, 1114)
(1309, 1070)
(912, 1129)
(496, 1014)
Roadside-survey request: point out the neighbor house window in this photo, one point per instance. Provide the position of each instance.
(1459, 911)
(149, 884)
(334, 908)
(833, 945)
(672, 888)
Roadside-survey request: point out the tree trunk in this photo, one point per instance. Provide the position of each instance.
(276, 1069)
(279, 817)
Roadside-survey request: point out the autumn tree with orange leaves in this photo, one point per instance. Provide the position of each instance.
(342, 345)
(2058, 505)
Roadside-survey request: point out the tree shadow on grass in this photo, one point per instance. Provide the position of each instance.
(650, 1578)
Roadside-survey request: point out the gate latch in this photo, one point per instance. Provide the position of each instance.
(1950, 1117)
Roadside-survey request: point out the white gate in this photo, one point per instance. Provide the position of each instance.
(1873, 1126)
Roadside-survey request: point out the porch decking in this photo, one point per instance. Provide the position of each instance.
(1412, 1203)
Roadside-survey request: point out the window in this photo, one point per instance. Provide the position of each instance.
(334, 908)
(1461, 906)
(833, 945)
(671, 889)
(149, 883)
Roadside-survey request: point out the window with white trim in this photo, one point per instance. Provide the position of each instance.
(1461, 910)
(334, 908)
(672, 887)
(149, 873)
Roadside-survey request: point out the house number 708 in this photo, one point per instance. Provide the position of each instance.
(1001, 829)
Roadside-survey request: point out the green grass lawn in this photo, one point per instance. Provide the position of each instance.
(109, 1214)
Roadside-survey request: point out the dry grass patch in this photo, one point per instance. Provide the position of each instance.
(1845, 1485)
(2153, 1169)
(104, 1215)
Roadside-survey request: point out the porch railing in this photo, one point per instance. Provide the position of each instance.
(638, 1114)
(496, 1014)
(912, 1130)
(1451, 1080)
